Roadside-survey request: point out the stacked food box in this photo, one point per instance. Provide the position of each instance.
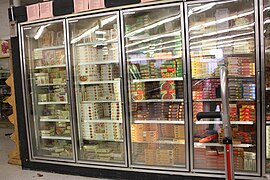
(247, 112)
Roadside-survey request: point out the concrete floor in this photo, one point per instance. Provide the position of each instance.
(12, 172)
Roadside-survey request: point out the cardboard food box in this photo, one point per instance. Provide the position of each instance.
(167, 90)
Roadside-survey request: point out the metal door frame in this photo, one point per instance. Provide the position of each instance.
(75, 96)
(28, 104)
(181, 19)
(257, 79)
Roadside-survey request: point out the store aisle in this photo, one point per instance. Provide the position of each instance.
(12, 172)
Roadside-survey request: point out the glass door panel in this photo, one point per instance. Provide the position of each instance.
(97, 71)
(153, 50)
(266, 20)
(49, 109)
(220, 34)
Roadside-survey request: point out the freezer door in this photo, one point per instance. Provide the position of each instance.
(96, 61)
(47, 90)
(266, 81)
(222, 33)
(155, 67)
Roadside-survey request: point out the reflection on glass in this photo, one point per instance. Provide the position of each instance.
(46, 68)
(153, 47)
(266, 15)
(95, 55)
(221, 34)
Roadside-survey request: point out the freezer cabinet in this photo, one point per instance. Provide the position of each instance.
(223, 33)
(47, 91)
(97, 69)
(155, 69)
(265, 39)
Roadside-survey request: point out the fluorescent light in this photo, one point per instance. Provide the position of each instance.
(221, 38)
(228, 45)
(222, 31)
(85, 34)
(154, 45)
(40, 31)
(103, 22)
(220, 21)
(175, 33)
(222, 42)
(165, 47)
(266, 21)
(100, 32)
(163, 21)
(205, 7)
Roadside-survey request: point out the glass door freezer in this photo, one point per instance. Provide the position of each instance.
(223, 33)
(47, 91)
(155, 68)
(97, 69)
(265, 40)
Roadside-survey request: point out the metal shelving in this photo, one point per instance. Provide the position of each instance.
(54, 120)
(102, 121)
(101, 101)
(56, 137)
(220, 122)
(48, 103)
(49, 48)
(105, 140)
(157, 122)
(99, 82)
(217, 100)
(160, 100)
(154, 58)
(198, 145)
(162, 142)
(51, 66)
(52, 84)
(98, 62)
(157, 79)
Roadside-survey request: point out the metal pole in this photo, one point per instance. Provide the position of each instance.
(225, 114)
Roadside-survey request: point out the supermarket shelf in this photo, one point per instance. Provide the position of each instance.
(267, 122)
(54, 120)
(267, 89)
(92, 44)
(158, 79)
(51, 66)
(162, 142)
(60, 102)
(98, 62)
(157, 122)
(4, 71)
(49, 48)
(102, 121)
(112, 40)
(206, 100)
(4, 58)
(99, 82)
(154, 58)
(3, 77)
(160, 100)
(101, 101)
(56, 137)
(220, 122)
(52, 84)
(247, 78)
(238, 54)
(90, 139)
(198, 145)
(216, 100)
